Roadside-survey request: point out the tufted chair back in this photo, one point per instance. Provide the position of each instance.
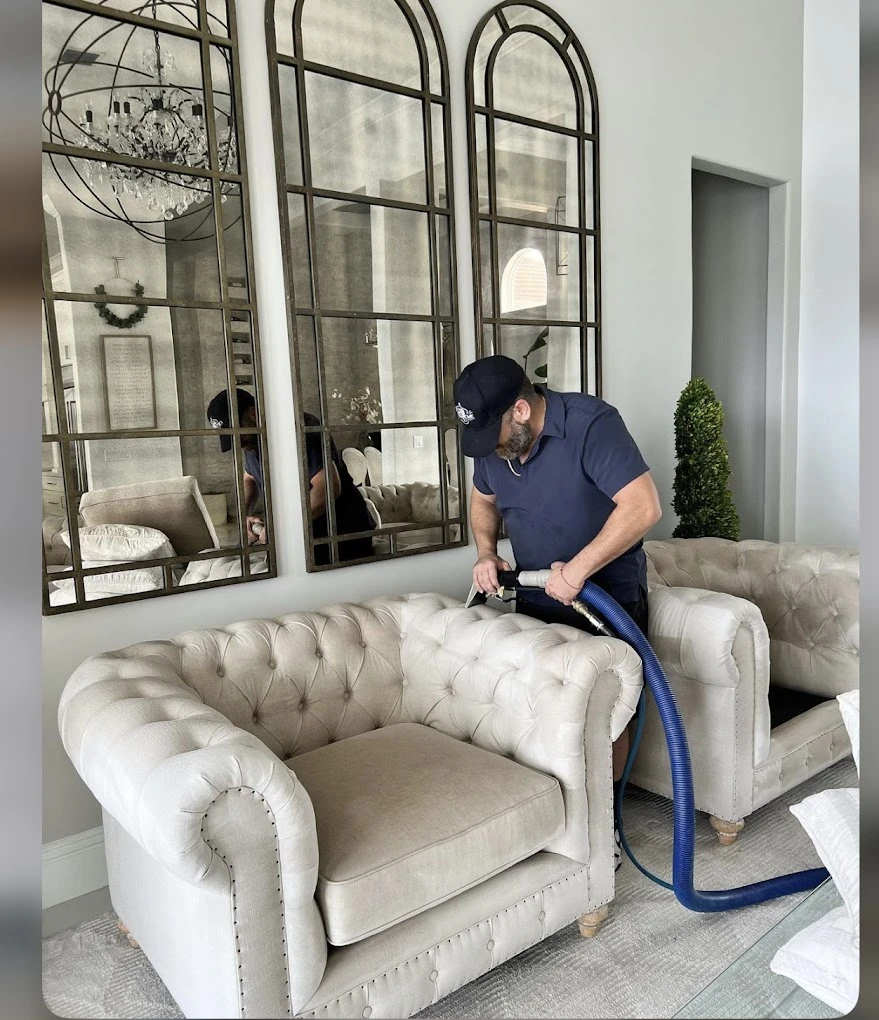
(412, 503)
(299, 681)
(308, 678)
(808, 597)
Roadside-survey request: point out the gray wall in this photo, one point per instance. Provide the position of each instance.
(828, 448)
(730, 273)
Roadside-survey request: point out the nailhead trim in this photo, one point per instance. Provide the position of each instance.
(216, 850)
(431, 951)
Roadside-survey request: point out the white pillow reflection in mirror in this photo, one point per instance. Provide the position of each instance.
(120, 543)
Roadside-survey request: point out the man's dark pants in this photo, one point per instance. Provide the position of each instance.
(557, 613)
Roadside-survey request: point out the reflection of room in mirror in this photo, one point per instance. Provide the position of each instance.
(532, 125)
(397, 472)
(534, 170)
(549, 354)
(546, 93)
(131, 377)
(520, 252)
(372, 258)
(391, 166)
(376, 370)
(371, 38)
(372, 332)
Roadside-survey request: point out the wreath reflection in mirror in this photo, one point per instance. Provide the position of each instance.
(116, 285)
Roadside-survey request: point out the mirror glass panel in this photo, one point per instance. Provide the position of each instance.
(535, 205)
(154, 459)
(369, 252)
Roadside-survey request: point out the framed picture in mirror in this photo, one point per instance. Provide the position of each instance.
(129, 382)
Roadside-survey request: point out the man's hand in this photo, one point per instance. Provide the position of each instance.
(485, 572)
(564, 588)
(258, 534)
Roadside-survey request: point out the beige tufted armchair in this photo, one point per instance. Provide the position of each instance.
(412, 503)
(352, 812)
(735, 624)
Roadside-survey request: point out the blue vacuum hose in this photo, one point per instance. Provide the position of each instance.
(682, 781)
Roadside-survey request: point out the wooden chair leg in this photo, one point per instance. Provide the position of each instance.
(590, 923)
(726, 831)
(123, 927)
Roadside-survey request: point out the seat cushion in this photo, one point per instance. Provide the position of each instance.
(407, 817)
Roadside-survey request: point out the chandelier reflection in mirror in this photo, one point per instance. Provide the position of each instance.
(140, 105)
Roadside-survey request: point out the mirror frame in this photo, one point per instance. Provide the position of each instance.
(453, 528)
(492, 317)
(65, 438)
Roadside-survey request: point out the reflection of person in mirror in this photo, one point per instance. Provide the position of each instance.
(352, 514)
(220, 418)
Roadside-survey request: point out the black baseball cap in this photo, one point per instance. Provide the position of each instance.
(219, 416)
(484, 392)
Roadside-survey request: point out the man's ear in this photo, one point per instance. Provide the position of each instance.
(522, 411)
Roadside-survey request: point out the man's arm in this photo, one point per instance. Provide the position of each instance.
(637, 510)
(251, 493)
(317, 496)
(485, 522)
(251, 496)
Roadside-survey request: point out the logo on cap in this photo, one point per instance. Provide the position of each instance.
(215, 423)
(465, 415)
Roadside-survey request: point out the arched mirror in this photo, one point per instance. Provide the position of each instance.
(532, 119)
(361, 113)
(154, 472)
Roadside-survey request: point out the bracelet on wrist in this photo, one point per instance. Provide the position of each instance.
(567, 582)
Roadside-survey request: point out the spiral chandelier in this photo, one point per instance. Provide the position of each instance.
(140, 106)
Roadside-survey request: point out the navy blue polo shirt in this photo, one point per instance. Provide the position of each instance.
(583, 457)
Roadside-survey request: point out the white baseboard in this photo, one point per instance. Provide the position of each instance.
(73, 866)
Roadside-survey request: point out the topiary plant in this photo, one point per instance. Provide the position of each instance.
(702, 498)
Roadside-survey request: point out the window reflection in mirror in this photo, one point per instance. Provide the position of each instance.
(534, 208)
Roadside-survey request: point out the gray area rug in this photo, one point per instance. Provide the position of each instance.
(651, 957)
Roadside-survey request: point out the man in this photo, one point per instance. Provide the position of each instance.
(219, 417)
(571, 486)
(351, 512)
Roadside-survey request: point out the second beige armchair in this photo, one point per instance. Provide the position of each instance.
(727, 620)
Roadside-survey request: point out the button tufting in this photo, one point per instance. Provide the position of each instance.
(541, 916)
(255, 717)
(405, 683)
(272, 664)
(362, 644)
(318, 654)
(368, 1011)
(433, 975)
(221, 671)
(301, 705)
(346, 695)
(489, 945)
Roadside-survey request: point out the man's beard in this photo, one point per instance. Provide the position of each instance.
(519, 441)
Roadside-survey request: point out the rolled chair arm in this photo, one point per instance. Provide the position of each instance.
(699, 634)
(714, 649)
(165, 766)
